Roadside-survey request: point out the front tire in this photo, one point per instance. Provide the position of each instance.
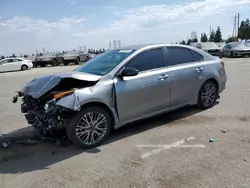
(89, 128)
(208, 95)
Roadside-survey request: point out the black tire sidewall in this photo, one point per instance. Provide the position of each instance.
(77, 61)
(200, 103)
(24, 67)
(54, 63)
(73, 121)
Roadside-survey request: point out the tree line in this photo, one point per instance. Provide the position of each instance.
(216, 35)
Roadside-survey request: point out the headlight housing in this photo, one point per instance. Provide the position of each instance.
(62, 94)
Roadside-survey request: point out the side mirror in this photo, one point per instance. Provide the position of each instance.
(129, 71)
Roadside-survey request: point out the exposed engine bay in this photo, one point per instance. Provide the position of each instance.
(40, 101)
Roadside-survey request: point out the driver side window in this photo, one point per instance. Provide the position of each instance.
(148, 60)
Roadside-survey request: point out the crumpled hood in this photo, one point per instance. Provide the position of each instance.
(39, 86)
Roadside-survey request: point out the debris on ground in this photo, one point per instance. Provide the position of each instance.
(5, 144)
(223, 131)
(29, 142)
(212, 140)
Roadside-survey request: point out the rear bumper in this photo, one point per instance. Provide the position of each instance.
(223, 80)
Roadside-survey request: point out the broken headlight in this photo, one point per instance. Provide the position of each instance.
(62, 94)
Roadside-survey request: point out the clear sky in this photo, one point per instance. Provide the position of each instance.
(27, 25)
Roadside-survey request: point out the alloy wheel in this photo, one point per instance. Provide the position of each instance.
(208, 95)
(91, 128)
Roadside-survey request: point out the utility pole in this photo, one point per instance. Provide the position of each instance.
(238, 24)
(210, 30)
(110, 46)
(234, 27)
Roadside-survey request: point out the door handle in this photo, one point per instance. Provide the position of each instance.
(199, 69)
(163, 77)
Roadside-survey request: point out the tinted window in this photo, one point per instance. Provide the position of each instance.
(7, 61)
(179, 56)
(148, 60)
(17, 60)
(197, 56)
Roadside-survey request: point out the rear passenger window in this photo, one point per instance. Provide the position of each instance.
(197, 56)
(151, 59)
(179, 56)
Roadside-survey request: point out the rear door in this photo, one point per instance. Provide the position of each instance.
(147, 92)
(185, 68)
(17, 64)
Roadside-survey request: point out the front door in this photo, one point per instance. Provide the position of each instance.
(146, 93)
(6, 65)
(185, 68)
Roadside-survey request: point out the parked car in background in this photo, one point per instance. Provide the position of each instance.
(235, 49)
(75, 57)
(220, 44)
(53, 59)
(211, 48)
(121, 86)
(248, 42)
(14, 64)
(193, 44)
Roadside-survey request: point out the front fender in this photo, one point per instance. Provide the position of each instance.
(101, 93)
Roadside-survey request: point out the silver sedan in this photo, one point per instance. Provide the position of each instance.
(121, 86)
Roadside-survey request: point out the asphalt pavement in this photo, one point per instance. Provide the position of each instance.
(168, 151)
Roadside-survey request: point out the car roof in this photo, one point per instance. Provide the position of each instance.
(12, 58)
(141, 46)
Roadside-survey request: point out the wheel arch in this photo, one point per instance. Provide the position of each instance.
(102, 105)
(24, 65)
(213, 80)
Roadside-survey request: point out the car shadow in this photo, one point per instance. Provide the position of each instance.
(27, 158)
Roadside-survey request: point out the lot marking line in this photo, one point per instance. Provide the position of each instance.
(160, 148)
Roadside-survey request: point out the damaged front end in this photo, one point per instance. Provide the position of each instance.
(42, 101)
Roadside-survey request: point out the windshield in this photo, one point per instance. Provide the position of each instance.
(104, 63)
(209, 45)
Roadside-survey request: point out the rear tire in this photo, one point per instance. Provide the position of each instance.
(208, 95)
(66, 63)
(24, 67)
(86, 134)
(54, 63)
(77, 61)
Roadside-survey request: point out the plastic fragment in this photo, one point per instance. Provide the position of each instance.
(223, 131)
(5, 145)
(212, 140)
